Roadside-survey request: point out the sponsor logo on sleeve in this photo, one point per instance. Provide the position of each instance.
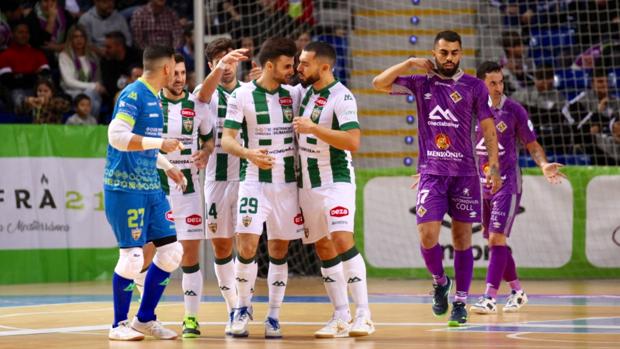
(339, 211)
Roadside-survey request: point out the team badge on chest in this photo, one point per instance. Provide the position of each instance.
(501, 126)
(456, 97)
(188, 124)
(287, 107)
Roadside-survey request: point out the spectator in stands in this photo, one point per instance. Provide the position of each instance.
(134, 73)
(544, 104)
(10, 14)
(271, 21)
(302, 38)
(187, 50)
(45, 107)
(595, 108)
(245, 67)
(595, 20)
(82, 115)
(517, 67)
(128, 7)
(156, 24)
(101, 19)
(184, 9)
(80, 69)
(48, 24)
(235, 17)
(609, 144)
(117, 61)
(20, 65)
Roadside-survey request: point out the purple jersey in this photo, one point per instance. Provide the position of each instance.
(513, 127)
(448, 111)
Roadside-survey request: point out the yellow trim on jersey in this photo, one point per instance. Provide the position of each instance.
(126, 117)
(148, 86)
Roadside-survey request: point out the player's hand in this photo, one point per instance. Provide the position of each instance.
(415, 181)
(171, 144)
(233, 57)
(260, 158)
(551, 171)
(303, 125)
(255, 72)
(200, 158)
(494, 179)
(421, 63)
(177, 176)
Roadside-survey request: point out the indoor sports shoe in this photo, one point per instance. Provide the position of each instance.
(124, 332)
(362, 326)
(241, 321)
(190, 327)
(485, 305)
(272, 328)
(153, 328)
(227, 329)
(440, 297)
(335, 328)
(458, 316)
(516, 300)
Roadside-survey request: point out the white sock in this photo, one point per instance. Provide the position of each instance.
(336, 287)
(226, 281)
(355, 274)
(277, 278)
(245, 277)
(192, 290)
(254, 271)
(139, 281)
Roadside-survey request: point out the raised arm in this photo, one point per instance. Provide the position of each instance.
(383, 82)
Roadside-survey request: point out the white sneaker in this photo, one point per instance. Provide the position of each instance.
(241, 321)
(124, 332)
(516, 300)
(485, 305)
(362, 325)
(228, 327)
(272, 328)
(153, 328)
(335, 328)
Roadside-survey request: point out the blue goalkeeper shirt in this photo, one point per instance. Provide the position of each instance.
(135, 171)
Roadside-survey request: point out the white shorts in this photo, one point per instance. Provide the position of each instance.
(275, 204)
(221, 207)
(186, 211)
(327, 209)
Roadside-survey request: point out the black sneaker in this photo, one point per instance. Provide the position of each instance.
(440, 297)
(458, 316)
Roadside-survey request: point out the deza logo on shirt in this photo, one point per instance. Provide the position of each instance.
(441, 117)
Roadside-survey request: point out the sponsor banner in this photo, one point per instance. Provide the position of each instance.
(603, 221)
(53, 203)
(391, 239)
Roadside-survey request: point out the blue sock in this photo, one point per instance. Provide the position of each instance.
(154, 285)
(122, 290)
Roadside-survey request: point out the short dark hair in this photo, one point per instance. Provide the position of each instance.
(47, 82)
(323, 50)
(178, 58)
(117, 36)
(449, 36)
(600, 72)
(275, 47)
(218, 46)
(511, 39)
(80, 98)
(545, 72)
(486, 68)
(154, 53)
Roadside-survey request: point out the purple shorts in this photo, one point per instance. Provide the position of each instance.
(457, 196)
(498, 213)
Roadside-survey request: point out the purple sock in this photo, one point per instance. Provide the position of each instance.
(463, 272)
(497, 265)
(433, 257)
(510, 273)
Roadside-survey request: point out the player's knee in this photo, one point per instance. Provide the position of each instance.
(278, 248)
(325, 249)
(168, 257)
(222, 248)
(343, 241)
(129, 262)
(497, 239)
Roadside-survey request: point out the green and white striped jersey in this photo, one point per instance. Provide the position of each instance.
(222, 166)
(265, 119)
(186, 120)
(333, 107)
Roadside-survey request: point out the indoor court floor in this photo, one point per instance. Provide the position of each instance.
(560, 314)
